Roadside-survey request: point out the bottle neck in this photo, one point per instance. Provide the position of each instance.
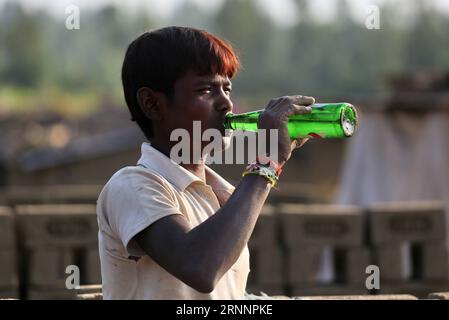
(227, 123)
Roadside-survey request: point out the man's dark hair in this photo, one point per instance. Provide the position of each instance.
(156, 59)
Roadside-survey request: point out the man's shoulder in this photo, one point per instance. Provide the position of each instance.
(129, 184)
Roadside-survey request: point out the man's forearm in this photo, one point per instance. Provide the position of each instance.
(218, 242)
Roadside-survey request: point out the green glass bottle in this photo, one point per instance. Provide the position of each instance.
(327, 120)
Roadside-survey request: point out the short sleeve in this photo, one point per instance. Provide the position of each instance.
(136, 198)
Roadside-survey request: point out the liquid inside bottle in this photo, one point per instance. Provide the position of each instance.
(327, 120)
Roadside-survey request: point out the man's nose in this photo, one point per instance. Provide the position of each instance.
(224, 103)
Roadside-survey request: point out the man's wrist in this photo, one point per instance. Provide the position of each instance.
(273, 165)
(259, 179)
(266, 168)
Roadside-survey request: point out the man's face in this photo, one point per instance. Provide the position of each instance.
(203, 98)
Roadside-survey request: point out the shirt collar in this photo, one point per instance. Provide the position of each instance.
(177, 175)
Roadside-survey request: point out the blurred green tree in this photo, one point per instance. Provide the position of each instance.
(22, 46)
(338, 57)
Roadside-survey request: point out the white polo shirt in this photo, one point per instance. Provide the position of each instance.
(133, 199)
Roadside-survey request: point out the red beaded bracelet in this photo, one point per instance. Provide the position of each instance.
(262, 160)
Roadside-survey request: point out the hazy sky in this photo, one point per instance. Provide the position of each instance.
(281, 11)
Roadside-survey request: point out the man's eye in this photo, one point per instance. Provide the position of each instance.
(228, 90)
(204, 90)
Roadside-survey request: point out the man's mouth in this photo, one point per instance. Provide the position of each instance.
(219, 125)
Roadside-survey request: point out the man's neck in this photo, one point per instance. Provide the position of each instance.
(198, 170)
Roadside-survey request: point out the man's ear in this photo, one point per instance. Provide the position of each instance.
(149, 102)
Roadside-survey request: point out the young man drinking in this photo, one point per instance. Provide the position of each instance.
(180, 231)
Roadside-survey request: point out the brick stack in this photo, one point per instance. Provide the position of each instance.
(325, 249)
(53, 194)
(410, 245)
(292, 192)
(52, 238)
(8, 256)
(266, 256)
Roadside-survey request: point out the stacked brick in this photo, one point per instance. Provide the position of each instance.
(53, 237)
(64, 194)
(410, 246)
(325, 250)
(266, 256)
(296, 250)
(8, 256)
